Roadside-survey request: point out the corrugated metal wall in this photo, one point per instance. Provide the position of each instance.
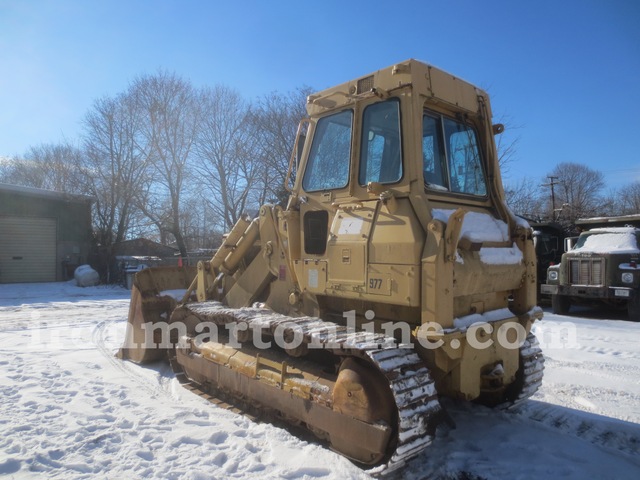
(27, 249)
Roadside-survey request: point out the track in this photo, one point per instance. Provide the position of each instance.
(532, 371)
(409, 380)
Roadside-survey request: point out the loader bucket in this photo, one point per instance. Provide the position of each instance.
(155, 293)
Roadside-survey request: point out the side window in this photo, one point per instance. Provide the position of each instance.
(451, 158)
(328, 165)
(465, 167)
(434, 164)
(381, 149)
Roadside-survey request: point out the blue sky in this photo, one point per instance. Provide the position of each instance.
(565, 72)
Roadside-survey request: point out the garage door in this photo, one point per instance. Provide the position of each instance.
(27, 249)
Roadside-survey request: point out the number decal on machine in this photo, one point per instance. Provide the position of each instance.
(379, 283)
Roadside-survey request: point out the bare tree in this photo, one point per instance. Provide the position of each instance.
(626, 200)
(227, 164)
(171, 113)
(50, 166)
(201, 224)
(525, 200)
(117, 165)
(507, 143)
(631, 199)
(578, 191)
(5, 168)
(276, 118)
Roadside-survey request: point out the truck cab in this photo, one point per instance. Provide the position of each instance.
(601, 268)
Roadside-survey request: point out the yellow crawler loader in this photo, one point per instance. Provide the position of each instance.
(396, 274)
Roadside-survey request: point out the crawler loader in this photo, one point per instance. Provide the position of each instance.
(395, 275)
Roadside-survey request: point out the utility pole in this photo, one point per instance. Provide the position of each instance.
(552, 183)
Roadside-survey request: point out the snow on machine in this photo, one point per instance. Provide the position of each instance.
(396, 274)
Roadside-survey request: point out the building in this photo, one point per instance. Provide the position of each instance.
(44, 234)
(145, 247)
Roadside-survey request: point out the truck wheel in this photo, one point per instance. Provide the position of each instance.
(560, 304)
(633, 307)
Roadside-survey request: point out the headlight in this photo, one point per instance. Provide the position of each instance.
(627, 277)
(553, 275)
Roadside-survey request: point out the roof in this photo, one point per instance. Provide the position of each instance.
(612, 230)
(142, 247)
(424, 78)
(619, 221)
(42, 193)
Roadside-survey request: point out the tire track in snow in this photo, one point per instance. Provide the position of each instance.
(531, 441)
(606, 432)
(607, 371)
(163, 383)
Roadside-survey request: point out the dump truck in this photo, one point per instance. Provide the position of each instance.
(548, 239)
(601, 268)
(395, 275)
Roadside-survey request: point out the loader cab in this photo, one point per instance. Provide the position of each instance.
(451, 155)
(384, 157)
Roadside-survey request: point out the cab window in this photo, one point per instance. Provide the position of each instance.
(451, 157)
(328, 165)
(381, 149)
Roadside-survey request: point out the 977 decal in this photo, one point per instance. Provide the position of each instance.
(380, 284)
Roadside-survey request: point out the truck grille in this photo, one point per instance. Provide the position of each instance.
(587, 271)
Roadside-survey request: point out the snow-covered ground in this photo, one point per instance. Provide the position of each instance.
(69, 409)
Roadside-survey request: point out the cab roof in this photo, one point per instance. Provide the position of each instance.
(426, 80)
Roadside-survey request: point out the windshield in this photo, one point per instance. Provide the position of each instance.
(328, 166)
(608, 242)
(451, 158)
